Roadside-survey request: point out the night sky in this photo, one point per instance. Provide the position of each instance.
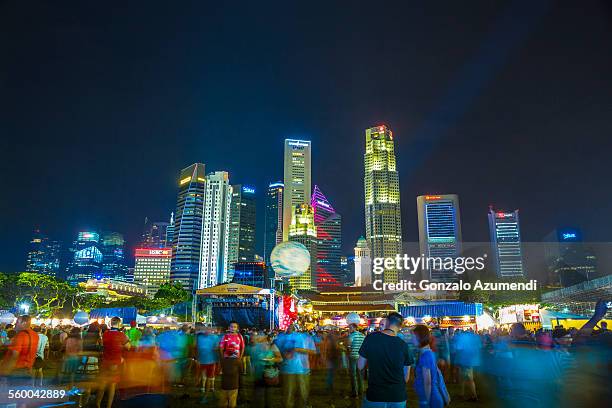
(503, 103)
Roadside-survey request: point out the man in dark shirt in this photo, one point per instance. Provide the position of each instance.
(388, 361)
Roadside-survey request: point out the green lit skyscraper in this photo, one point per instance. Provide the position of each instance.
(383, 219)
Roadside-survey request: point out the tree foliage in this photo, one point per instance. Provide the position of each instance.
(173, 293)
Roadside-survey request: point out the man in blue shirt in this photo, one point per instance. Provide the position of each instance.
(295, 370)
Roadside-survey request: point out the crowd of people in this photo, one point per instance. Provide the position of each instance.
(130, 365)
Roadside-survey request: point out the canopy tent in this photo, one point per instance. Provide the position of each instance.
(441, 309)
(550, 318)
(232, 289)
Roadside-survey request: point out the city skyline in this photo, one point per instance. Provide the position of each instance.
(516, 138)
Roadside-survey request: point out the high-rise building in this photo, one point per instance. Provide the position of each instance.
(303, 230)
(87, 258)
(43, 255)
(152, 268)
(569, 261)
(187, 236)
(242, 226)
(114, 264)
(297, 174)
(273, 229)
(329, 241)
(363, 263)
(215, 230)
(347, 265)
(505, 234)
(439, 232)
(383, 218)
(155, 234)
(252, 274)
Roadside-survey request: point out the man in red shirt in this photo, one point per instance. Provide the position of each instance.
(231, 348)
(21, 352)
(114, 342)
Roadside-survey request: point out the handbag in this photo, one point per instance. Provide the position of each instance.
(270, 376)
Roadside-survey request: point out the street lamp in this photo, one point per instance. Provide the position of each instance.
(25, 307)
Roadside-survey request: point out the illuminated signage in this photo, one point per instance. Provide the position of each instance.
(185, 180)
(88, 253)
(276, 185)
(432, 197)
(249, 190)
(503, 215)
(153, 253)
(569, 235)
(298, 143)
(323, 204)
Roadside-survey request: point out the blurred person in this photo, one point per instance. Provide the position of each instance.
(442, 350)
(114, 343)
(295, 347)
(148, 340)
(468, 347)
(39, 362)
(388, 362)
(72, 354)
(265, 357)
(21, 353)
(330, 354)
(354, 341)
(207, 354)
(231, 350)
(428, 382)
(133, 334)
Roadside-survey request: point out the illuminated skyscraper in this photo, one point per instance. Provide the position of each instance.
(152, 268)
(304, 231)
(273, 230)
(252, 274)
(215, 230)
(439, 232)
(242, 227)
(363, 263)
(506, 243)
(569, 260)
(187, 236)
(383, 218)
(44, 255)
(297, 179)
(114, 264)
(87, 258)
(154, 234)
(329, 240)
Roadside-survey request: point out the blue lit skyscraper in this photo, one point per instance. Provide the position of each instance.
(187, 231)
(242, 226)
(439, 231)
(506, 243)
(87, 258)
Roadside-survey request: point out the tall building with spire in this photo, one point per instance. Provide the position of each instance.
(383, 219)
(329, 241)
(242, 227)
(304, 231)
(297, 176)
(187, 231)
(273, 223)
(215, 230)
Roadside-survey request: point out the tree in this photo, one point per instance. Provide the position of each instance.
(47, 293)
(172, 294)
